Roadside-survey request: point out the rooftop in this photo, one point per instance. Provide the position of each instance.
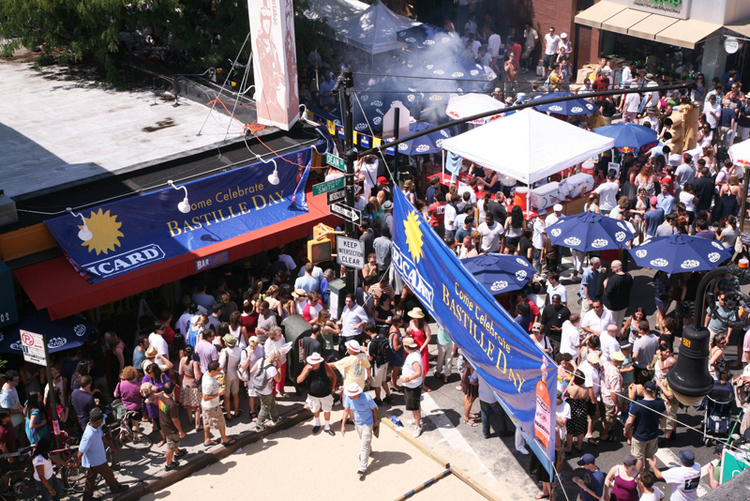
(60, 128)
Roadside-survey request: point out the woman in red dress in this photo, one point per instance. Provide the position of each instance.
(420, 332)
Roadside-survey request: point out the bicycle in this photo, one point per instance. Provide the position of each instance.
(18, 484)
(122, 434)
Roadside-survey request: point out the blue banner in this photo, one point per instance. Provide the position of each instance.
(147, 229)
(524, 379)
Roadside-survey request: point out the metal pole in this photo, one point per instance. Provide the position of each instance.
(52, 399)
(345, 82)
(743, 210)
(396, 117)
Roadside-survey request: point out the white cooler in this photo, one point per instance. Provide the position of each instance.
(576, 185)
(545, 196)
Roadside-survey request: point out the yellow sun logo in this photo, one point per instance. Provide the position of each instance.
(105, 230)
(414, 236)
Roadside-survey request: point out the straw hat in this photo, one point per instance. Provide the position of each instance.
(416, 312)
(410, 343)
(230, 340)
(151, 352)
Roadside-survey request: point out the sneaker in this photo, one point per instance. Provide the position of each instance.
(124, 487)
(523, 450)
(182, 453)
(259, 427)
(378, 401)
(175, 464)
(417, 431)
(388, 399)
(361, 473)
(330, 432)
(274, 423)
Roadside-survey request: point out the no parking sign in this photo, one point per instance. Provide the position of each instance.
(33, 347)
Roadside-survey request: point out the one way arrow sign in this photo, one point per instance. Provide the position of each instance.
(346, 213)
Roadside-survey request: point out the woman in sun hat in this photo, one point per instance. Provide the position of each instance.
(420, 332)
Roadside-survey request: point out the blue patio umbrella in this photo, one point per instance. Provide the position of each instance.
(680, 253)
(499, 273)
(589, 231)
(629, 138)
(62, 334)
(430, 143)
(568, 108)
(426, 36)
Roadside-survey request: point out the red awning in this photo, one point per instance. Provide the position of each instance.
(56, 286)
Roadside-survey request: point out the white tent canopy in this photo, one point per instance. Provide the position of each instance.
(374, 30)
(527, 145)
(334, 10)
(740, 152)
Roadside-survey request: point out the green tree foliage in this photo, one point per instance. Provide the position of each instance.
(187, 34)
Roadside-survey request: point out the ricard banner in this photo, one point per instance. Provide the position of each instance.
(523, 378)
(149, 228)
(672, 8)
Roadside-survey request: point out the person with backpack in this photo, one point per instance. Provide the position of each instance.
(320, 380)
(265, 375)
(379, 353)
(250, 355)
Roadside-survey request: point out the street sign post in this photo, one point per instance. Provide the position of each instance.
(346, 213)
(326, 186)
(350, 252)
(33, 346)
(336, 196)
(335, 162)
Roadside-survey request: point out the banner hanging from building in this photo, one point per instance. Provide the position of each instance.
(274, 62)
(147, 229)
(505, 356)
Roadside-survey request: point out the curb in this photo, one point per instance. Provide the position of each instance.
(439, 460)
(143, 488)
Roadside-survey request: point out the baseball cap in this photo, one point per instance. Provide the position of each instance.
(617, 356)
(629, 460)
(586, 459)
(557, 208)
(650, 386)
(96, 414)
(382, 180)
(687, 457)
(654, 200)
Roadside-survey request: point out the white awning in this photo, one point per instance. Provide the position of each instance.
(687, 33)
(619, 23)
(594, 16)
(649, 27)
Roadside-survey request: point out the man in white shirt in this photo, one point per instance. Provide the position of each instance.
(471, 25)
(627, 75)
(609, 343)
(551, 44)
(685, 478)
(157, 340)
(491, 232)
(353, 318)
(449, 217)
(596, 319)
(570, 339)
(555, 287)
(630, 106)
(530, 39)
(608, 192)
(537, 241)
(713, 112)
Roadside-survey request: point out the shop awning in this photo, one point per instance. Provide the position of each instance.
(594, 16)
(55, 285)
(619, 23)
(741, 29)
(650, 26)
(613, 17)
(687, 33)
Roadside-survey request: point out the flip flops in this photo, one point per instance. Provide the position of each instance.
(210, 443)
(229, 442)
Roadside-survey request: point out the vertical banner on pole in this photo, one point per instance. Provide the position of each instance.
(274, 62)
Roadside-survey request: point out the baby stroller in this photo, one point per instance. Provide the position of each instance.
(718, 413)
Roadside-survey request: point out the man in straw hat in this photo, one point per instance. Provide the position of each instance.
(411, 379)
(362, 409)
(355, 368)
(153, 357)
(229, 361)
(320, 381)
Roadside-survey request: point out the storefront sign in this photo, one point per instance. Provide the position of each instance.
(211, 261)
(274, 62)
(8, 308)
(140, 231)
(672, 8)
(521, 375)
(731, 45)
(32, 345)
(350, 252)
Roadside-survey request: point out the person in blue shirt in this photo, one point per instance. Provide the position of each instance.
(91, 455)
(362, 409)
(664, 200)
(589, 283)
(592, 483)
(653, 218)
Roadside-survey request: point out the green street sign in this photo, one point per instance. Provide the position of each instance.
(332, 185)
(335, 162)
